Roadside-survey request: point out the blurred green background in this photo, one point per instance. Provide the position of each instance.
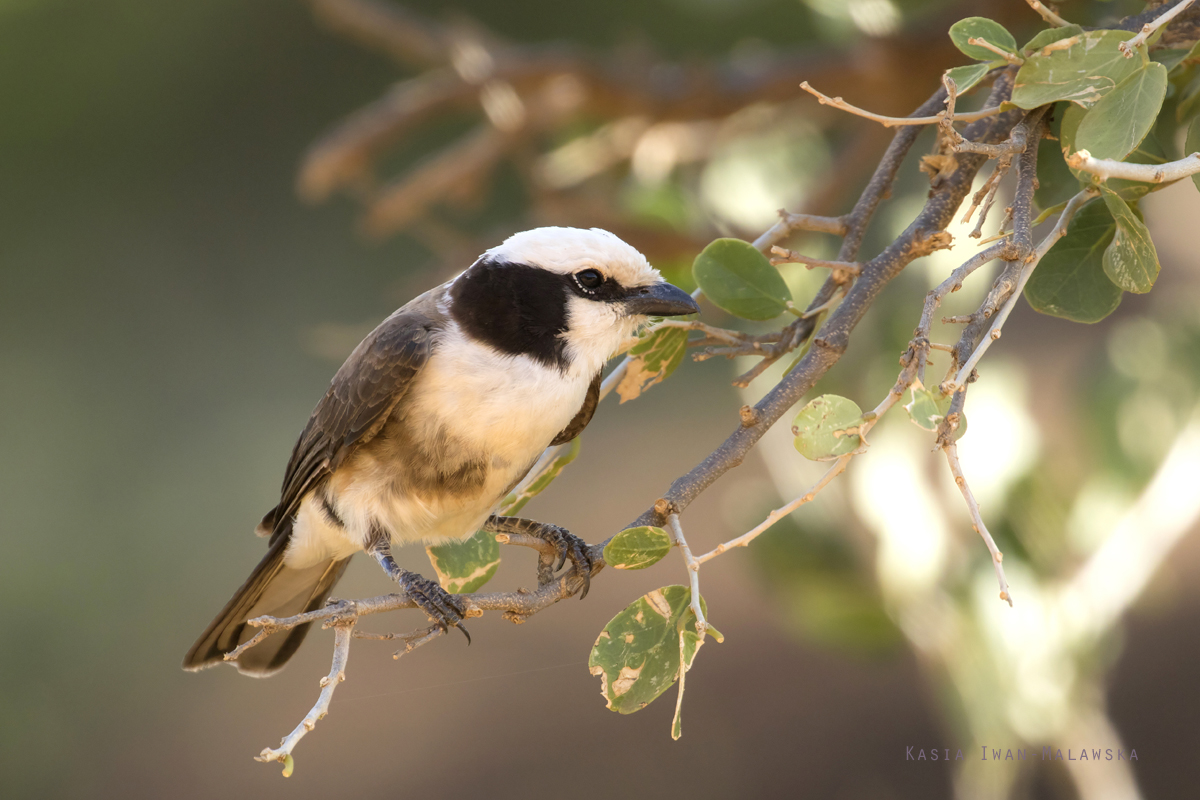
(170, 311)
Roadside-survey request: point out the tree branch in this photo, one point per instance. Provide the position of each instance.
(1105, 168)
(1130, 46)
(894, 122)
(833, 337)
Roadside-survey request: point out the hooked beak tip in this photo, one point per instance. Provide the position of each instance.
(661, 300)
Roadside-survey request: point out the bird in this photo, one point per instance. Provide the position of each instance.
(435, 417)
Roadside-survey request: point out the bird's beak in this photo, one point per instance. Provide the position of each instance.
(660, 300)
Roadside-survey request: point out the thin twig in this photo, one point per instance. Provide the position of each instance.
(893, 122)
(789, 223)
(693, 568)
(1004, 54)
(1128, 47)
(786, 256)
(1059, 230)
(951, 451)
(337, 673)
(745, 539)
(831, 341)
(870, 420)
(1048, 15)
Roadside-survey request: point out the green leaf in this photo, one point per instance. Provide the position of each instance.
(465, 566)
(739, 279)
(517, 500)
(966, 77)
(1130, 261)
(1119, 121)
(981, 28)
(1170, 57)
(821, 428)
(637, 548)
(1189, 100)
(1150, 151)
(1070, 281)
(1192, 145)
(289, 765)
(651, 360)
(637, 655)
(1049, 36)
(1082, 69)
(1072, 119)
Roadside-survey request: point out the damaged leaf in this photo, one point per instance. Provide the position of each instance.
(637, 655)
(1130, 260)
(466, 565)
(517, 500)
(928, 408)
(1050, 36)
(1081, 68)
(826, 428)
(651, 360)
(637, 548)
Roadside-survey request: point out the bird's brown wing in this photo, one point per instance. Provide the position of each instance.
(581, 420)
(360, 399)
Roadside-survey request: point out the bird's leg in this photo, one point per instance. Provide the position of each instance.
(443, 608)
(568, 545)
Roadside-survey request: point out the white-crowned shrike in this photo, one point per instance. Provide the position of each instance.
(436, 416)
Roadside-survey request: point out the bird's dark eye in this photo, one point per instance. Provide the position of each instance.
(589, 278)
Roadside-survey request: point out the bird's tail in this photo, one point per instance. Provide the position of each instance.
(272, 589)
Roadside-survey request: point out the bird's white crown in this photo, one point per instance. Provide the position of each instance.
(568, 250)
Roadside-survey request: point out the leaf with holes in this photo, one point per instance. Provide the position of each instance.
(1130, 260)
(651, 360)
(983, 28)
(1081, 68)
(637, 655)
(1120, 120)
(637, 548)
(826, 428)
(465, 566)
(739, 279)
(928, 408)
(517, 500)
(1070, 281)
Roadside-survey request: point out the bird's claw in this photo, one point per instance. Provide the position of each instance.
(443, 608)
(570, 546)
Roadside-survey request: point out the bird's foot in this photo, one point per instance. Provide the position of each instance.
(569, 546)
(444, 609)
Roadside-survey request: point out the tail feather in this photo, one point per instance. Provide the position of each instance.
(272, 589)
